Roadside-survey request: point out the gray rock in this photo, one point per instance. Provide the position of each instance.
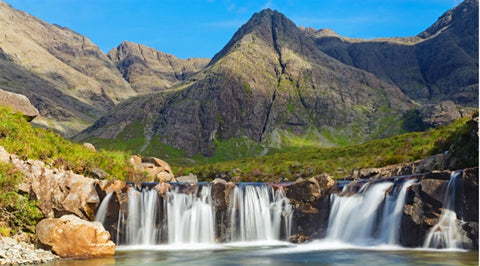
(190, 178)
(19, 103)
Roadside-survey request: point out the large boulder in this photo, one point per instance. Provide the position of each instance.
(72, 237)
(19, 103)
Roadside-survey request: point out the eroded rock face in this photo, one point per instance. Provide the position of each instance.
(72, 237)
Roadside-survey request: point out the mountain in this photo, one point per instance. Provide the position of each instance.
(148, 70)
(438, 64)
(269, 85)
(67, 77)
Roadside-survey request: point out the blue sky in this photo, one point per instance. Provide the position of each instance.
(200, 28)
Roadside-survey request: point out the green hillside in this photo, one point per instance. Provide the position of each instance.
(460, 137)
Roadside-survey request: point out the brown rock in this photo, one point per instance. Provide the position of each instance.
(72, 237)
(159, 170)
(19, 103)
(162, 188)
(311, 189)
(108, 186)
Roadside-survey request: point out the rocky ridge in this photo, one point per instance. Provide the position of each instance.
(148, 70)
(438, 64)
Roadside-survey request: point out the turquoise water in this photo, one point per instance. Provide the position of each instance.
(315, 253)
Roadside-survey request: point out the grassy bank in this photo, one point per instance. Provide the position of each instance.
(19, 137)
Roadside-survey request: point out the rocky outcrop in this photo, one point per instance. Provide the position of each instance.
(156, 168)
(311, 204)
(441, 114)
(423, 208)
(19, 103)
(72, 237)
(58, 191)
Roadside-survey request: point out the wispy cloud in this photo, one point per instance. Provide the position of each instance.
(267, 4)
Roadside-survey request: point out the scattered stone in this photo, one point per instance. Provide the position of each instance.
(98, 173)
(72, 237)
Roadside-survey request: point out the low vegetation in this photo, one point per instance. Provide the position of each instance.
(19, 137)
(459, 137)
(17, 212)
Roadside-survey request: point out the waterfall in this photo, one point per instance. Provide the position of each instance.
(257, 213)
(392, 213)
(139, 224)
(371, 216)
(102, 209)
(187, 216)
(446, 233)
(191, 219)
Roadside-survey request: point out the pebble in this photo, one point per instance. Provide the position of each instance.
(13, 252)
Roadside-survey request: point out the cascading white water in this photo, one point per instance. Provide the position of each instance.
(102, 209)
(445, 234)
(191, 219)
(258, 212)
(392, 214)
(360, 219)
(139, 224)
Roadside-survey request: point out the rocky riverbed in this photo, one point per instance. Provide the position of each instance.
(14, 252)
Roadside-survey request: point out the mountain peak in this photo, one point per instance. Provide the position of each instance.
(264, 23)
(458, 17)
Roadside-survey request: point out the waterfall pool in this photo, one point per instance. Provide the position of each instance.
(314, 253)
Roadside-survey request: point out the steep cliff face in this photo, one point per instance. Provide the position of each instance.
(269, 84)
(439, 64)
(67, 77)
(148, 70)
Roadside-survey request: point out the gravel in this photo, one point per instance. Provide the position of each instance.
(14, 252)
